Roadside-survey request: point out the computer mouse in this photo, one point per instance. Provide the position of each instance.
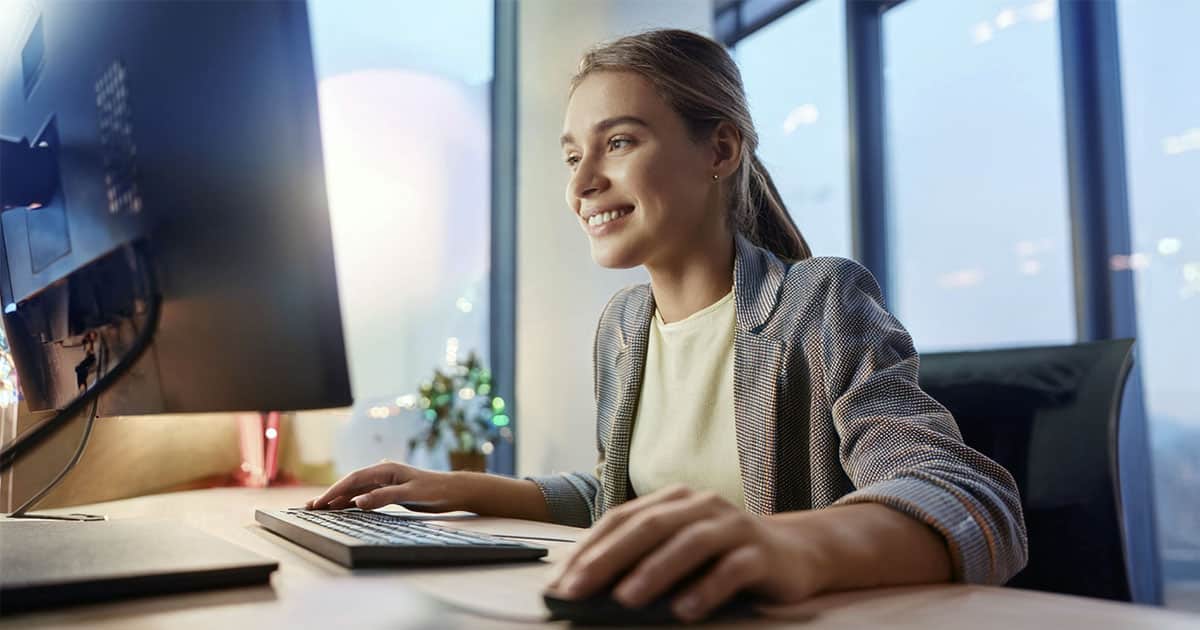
(602, 609)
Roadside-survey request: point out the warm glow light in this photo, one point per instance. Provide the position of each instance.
(466, 393)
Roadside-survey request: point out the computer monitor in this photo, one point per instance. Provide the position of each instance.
(184, 135)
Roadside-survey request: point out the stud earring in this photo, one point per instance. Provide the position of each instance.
(716, 177)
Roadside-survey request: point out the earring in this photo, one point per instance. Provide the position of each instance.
(715, 177)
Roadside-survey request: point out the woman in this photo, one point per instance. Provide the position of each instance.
(759, 418)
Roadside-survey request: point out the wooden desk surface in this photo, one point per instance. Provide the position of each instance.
(310, 591)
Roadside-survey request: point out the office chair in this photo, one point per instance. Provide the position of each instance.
(1051, 416)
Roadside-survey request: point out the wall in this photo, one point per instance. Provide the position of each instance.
(560, 291)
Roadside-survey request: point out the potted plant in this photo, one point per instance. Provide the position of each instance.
(461, 415)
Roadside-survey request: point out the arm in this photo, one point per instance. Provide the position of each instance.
(901, 448)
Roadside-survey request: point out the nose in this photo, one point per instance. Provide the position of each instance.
(587, 180)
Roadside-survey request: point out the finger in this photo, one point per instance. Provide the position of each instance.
(369, 478)
(613, 519)
(406, 494)
(608, 557)
(739, 569)
(693, 546)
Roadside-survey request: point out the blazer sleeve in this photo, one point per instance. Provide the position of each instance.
(902, 448)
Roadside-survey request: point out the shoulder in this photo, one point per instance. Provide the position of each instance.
(822, 290)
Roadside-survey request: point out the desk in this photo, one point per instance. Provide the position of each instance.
(315, 592)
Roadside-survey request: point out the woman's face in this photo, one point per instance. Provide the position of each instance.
(630, 157)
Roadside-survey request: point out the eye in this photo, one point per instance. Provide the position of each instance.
(572, 160)
(622, 141)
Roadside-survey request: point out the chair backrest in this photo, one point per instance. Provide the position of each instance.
(1050, 416)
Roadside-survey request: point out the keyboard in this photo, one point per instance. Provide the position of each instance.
(358, 538)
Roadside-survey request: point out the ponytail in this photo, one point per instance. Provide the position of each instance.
(761, 216)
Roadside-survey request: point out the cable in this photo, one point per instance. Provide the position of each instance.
(21, 512)
(38, 434)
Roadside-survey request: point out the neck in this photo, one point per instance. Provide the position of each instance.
(693, 280)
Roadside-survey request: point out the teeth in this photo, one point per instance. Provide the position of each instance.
(605, 217)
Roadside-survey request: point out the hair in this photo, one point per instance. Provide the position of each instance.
(701, 82)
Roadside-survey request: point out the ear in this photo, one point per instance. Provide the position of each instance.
(726, 144)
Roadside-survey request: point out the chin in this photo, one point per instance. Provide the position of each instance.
(615, 256)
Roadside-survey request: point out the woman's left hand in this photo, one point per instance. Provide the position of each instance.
(643, 547)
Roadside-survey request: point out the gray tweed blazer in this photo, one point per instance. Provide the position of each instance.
(827, 411)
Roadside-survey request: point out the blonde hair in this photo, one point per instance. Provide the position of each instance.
(700, 81)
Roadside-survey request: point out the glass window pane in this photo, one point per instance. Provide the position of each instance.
(405, 119)
(799, 109)
(979, 239)
(1162, 140)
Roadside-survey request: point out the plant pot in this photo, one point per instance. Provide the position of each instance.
(468, 461)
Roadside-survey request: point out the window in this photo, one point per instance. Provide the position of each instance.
(979, 239)
(1162, 142)
(404, 93)
(794, 71)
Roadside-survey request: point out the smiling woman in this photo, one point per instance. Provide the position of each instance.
(759, 420)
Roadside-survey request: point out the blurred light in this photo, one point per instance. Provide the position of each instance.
(1031, 267)
(506, 433)
(1169, 246)
(272, 433)
(430, 415)
(981, 33)
(500, 420)
(497, 404)
(379, 412)
(806, 114)
(1191, 272)
(452, 351)
(464, 305)
(1005, 19)
(1183, 143)
(425, 402)
(486, 448)
(406, 402)
(1026, 248)
(1135, 261)
(960, 279)
(466, 393)
(1041, 11)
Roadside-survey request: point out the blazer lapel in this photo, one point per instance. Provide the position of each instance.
(631, 363)
(758, 358)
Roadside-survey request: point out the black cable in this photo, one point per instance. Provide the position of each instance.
(38, 434)
(22, 512)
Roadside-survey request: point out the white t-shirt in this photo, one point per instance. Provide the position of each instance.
(684, 431)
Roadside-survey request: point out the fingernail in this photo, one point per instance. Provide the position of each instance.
(361, 497)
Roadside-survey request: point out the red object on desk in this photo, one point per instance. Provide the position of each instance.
(259, 435)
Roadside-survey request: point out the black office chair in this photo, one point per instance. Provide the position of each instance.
(1050, 416)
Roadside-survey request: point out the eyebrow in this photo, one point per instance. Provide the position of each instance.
(608, 123)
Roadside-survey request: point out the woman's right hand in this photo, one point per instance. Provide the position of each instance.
(391, 482)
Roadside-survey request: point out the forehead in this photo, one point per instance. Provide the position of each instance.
(604, 95)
